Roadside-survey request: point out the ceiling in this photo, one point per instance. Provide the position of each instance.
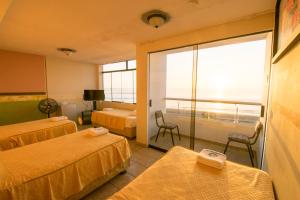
(104, 31)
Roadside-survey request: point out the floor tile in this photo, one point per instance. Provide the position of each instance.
(135, 168)
(149, 152)
(102, 192)
(141, 159)
(133, 146)
(122, 180)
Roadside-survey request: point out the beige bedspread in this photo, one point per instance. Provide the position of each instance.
(178, 176)
(61, 167)
(115, 118)
(16, 135)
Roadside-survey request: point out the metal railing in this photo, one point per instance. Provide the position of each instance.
(251, 103)
(208, 114)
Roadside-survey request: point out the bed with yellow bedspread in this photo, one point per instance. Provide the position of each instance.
(118, 121)
(177, 175)
(66, 167)
(16, 135)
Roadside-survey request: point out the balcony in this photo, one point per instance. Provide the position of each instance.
(214, 121)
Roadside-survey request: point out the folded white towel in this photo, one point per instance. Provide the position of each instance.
(212, 158)
(107, 109)
(60, 118)
(98, 131)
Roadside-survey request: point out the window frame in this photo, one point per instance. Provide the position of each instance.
(111, 80)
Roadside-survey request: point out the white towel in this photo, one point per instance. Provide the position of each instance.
(107, 109)
(60, 118)
(98, 131)
(212, 158)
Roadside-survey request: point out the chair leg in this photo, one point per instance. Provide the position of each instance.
(226, 146)
(164, 132)
(172, 136)
(249, 150)
(178, 132)
(248, 146)
(157, 134)
(252, 153)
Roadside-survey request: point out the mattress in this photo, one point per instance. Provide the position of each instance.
(115, 118)
(61, 168)
(16, 135)
(178, 176)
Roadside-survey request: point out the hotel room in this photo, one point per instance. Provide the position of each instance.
(172, 99)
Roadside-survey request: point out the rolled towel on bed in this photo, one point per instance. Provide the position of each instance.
(98, 131)
(107, 109)
(211, 158)
(60, 118)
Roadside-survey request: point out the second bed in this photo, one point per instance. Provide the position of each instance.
(120, 121)
(20, 134)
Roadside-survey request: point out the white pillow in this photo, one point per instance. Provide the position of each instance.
(107, 109)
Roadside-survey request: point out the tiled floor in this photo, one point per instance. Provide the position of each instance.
(142, 158)
(234, 154)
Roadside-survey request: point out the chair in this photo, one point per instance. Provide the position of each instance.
(248, 141)
(161, 124)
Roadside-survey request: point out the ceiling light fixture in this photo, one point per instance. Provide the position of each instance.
(67, 51)
(155, 18)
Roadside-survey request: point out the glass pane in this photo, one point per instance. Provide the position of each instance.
(233, 73)
(131, 64)
(179, 74)
(171, 77)
(127, 86)
(117, 86)
(237, 73)
(114, 66)
(107, 86)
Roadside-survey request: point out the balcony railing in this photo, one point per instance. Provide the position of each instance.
(236, 111)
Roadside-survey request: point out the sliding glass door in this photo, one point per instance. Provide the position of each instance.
(229, 92)
(170, 93)
(209, 91)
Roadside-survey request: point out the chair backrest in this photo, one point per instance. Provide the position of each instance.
(159, 118)
(257, 130)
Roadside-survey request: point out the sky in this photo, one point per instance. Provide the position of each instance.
(228, 72)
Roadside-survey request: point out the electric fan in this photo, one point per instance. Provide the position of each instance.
(48, 106)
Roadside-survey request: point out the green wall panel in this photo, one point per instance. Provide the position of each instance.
(19, 111)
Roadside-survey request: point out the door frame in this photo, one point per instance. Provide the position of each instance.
(224, 40)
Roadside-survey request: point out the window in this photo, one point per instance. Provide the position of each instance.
(227, 72)
(114, 66)
(119, 81)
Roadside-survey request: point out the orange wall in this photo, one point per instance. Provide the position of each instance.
(4, 5)
(22, 73)
(282, 158)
